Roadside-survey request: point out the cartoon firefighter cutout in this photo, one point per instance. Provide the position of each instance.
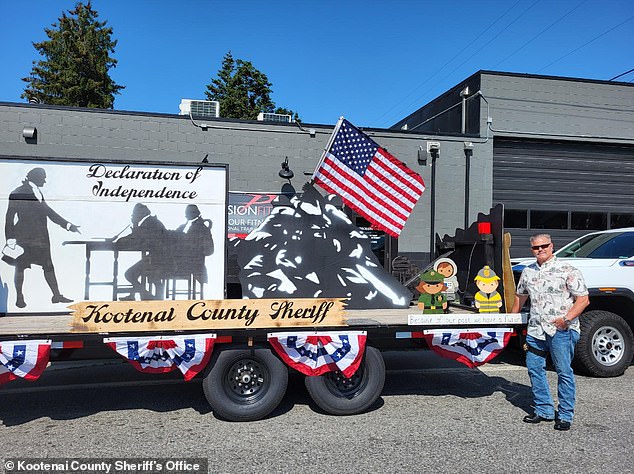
(431, 287)
(448, 269)
(487, 300)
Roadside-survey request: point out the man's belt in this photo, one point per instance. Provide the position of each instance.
(534, 350)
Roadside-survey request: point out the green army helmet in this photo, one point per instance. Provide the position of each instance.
(432, 277)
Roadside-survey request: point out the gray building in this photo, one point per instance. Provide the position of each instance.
(562, 149)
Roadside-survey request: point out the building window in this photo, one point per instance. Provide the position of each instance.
(549, 220)
(515, 218)
(618, 221)
(588, 221)
(569, 220)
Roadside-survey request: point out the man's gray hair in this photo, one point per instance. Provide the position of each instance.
(534, 237)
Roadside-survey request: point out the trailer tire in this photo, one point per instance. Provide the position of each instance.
(605, 346)
(245, 384)
(337, 395)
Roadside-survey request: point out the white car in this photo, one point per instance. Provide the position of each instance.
(606, 260)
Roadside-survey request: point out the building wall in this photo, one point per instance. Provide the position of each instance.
(554, 107)
(253, 151)
(443, 115)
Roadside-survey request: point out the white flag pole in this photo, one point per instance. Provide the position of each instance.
(328, 145)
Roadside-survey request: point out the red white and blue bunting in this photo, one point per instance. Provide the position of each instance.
(158, 354)
(472, 347)
(23, 359)
(315, 354)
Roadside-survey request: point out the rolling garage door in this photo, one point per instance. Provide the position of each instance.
(566, 189)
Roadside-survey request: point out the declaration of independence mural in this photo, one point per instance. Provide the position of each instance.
(104, 231)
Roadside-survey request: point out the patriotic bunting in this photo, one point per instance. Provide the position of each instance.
(23, 359)
(317, 353)
(472, 347)
(158, 354)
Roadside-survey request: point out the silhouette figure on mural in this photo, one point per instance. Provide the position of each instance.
(196, 243)
(147, 235)
(26, 226)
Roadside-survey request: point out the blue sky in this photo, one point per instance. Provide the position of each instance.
(374, 62)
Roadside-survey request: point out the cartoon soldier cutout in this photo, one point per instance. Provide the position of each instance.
(448, 269)
(487, 300)
(431, 286)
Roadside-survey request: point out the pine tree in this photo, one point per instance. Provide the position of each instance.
(76, 64)
(242, 90)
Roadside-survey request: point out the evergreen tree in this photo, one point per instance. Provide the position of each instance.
(76, 62)
(242, 90)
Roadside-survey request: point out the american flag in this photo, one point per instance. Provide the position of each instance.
(369, 180)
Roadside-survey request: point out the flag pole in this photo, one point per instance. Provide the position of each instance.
(328, 145)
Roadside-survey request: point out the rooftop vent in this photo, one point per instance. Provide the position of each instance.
(200, 108)
(268, 117)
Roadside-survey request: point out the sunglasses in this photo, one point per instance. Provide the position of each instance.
(541, 247)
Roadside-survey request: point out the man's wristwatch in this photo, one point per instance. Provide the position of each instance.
(567, 321)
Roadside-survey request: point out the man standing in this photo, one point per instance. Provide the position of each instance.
(558, 296)
(26, 225)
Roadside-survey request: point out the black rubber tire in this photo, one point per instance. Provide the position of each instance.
(245, 384)
(605, 346)
(336, 395)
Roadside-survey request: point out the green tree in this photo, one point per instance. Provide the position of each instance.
(242, 90)
(76, 64)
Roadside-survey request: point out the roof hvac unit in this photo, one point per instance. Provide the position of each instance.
(268, 117)
(200, 108)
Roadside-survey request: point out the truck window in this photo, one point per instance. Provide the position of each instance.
(611, 245)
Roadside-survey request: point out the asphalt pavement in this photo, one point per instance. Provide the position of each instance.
(434, 415)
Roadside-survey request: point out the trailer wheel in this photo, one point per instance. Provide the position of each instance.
(245, 384)
(337, 395)
(605, 346)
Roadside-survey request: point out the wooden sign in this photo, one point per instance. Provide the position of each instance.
(124, 316)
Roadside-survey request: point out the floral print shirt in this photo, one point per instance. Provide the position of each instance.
(552, 288)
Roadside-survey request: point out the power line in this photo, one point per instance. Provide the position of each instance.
(488, 43)
(447, 63)
(585, 44)
(540, 33)
(622, 74)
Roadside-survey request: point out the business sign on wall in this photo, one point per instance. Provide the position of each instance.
(246, 211)
(108, 231)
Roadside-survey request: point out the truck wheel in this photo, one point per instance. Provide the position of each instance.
(605, 346)
(337, 395)
(245, 384)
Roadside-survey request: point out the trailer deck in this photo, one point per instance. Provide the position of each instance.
(60, 325)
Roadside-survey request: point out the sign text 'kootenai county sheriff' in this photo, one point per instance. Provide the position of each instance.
(117, 316)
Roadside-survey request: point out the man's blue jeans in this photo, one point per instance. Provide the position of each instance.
(561, 347)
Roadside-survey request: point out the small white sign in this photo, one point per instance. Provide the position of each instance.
(469, 319)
